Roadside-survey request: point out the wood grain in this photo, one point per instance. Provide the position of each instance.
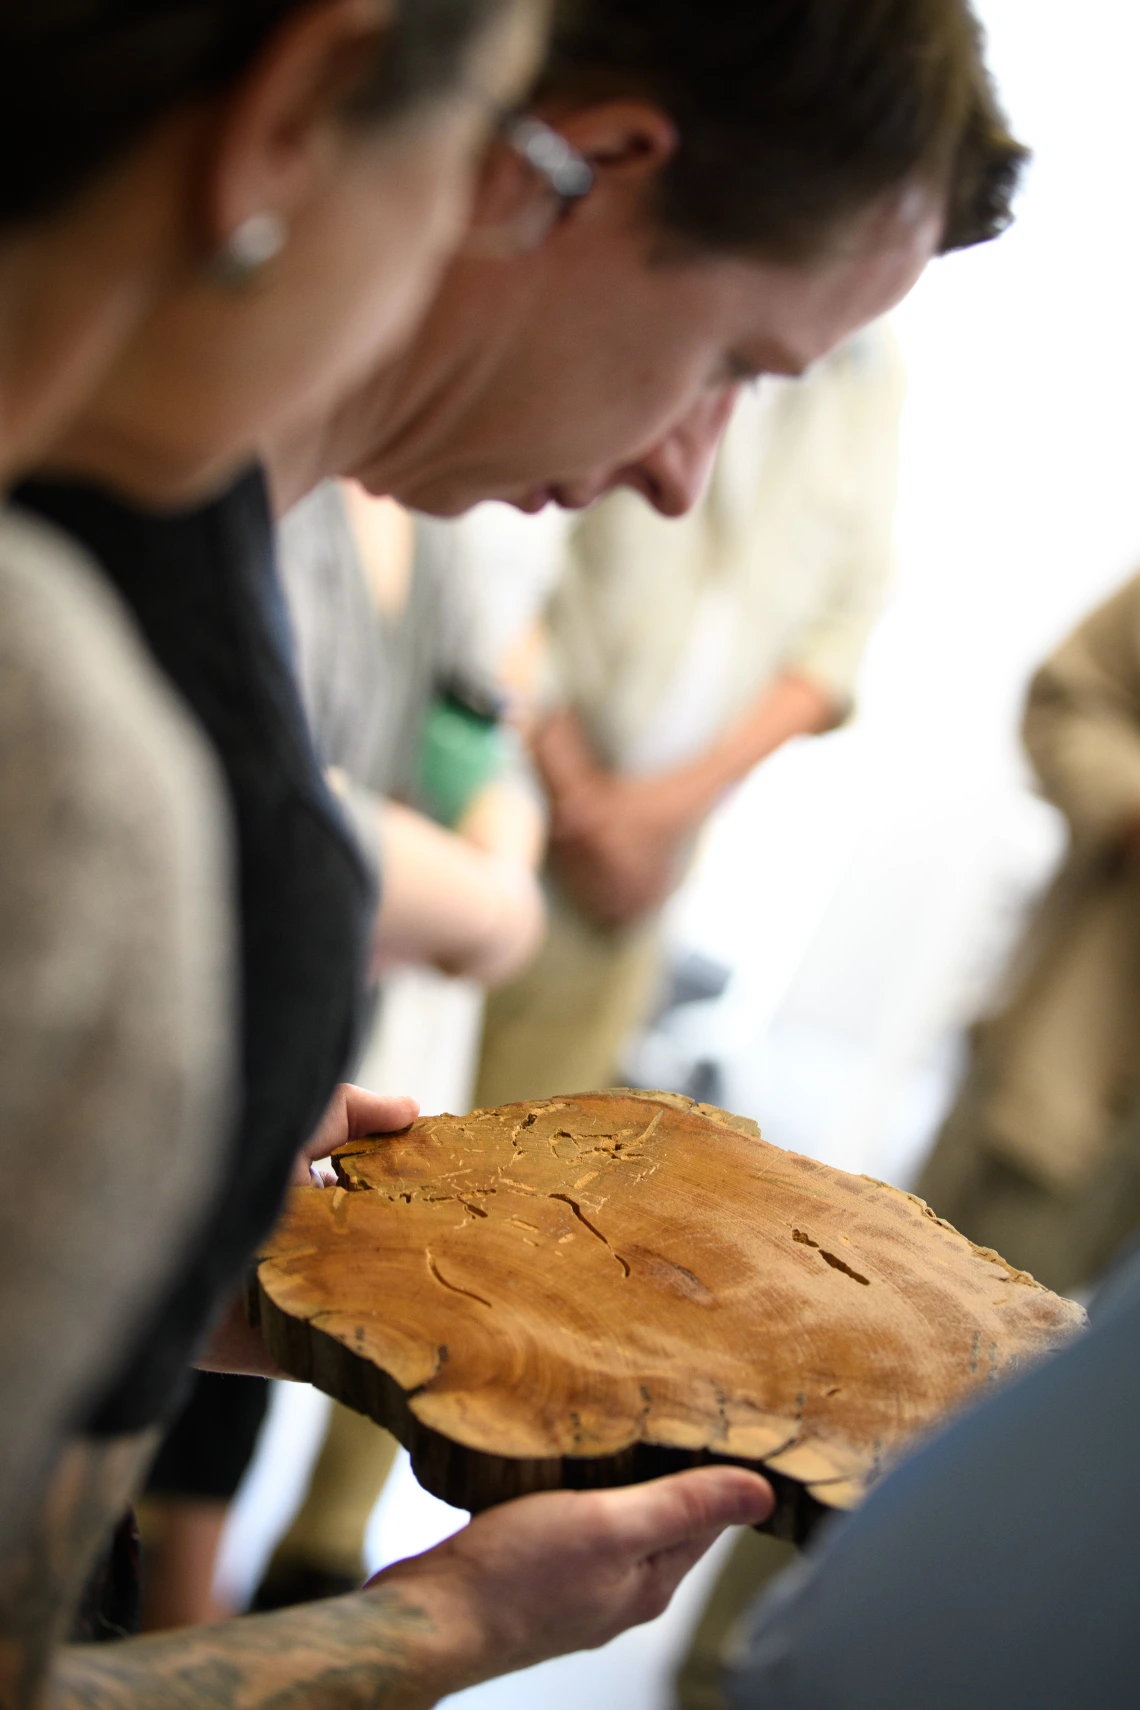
(593, 1290)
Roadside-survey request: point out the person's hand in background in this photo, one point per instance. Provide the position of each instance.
(619, 841)
(629, 861)
(616, 842)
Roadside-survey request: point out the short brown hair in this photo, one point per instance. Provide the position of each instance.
(794, 115)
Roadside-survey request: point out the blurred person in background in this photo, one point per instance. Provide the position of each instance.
(42, 1567)
(680, 654)
(114, 974)
(1040, 1156)
(315, 130)
(406, 707)
(404, 710)
(325, 132)
(132, 135)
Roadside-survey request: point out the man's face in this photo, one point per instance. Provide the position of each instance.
(594, 363)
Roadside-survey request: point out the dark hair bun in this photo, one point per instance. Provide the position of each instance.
(82, 80)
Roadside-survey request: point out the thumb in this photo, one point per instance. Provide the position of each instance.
(674, 1512)
(354, 1112)
(376, 1113)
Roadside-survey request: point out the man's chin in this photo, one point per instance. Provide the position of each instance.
(429, 501)
(535, 501)
(451, 505)
(449, 500)
(566, 498)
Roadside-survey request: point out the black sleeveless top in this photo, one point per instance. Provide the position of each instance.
(202, 586)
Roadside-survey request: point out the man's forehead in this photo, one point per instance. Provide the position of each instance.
(797, 314)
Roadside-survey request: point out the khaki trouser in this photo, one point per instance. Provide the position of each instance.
(755, 1560)
(560, 1027)
(1063, 1237)
(350, 1472)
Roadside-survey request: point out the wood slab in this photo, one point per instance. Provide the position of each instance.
(594, 1290)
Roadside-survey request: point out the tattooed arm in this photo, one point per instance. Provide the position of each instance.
(354, 1653)
(43, 1579)
(534, 1579)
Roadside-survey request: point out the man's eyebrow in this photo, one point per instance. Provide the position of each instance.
(776, 359)
(787, 364)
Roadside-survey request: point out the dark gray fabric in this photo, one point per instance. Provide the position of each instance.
(999, 1569)
(202, 588)
(345, 653)
(367, 680)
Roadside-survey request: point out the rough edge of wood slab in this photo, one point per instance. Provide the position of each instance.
(466, 1478)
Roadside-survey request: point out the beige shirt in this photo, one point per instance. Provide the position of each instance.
(1082, 723)
(115, 992)
(664, 630)
(1065, 1048)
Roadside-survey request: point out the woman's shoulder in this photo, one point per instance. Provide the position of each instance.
(98, 761)
(115, 982)
(114, 863)
(73, 664)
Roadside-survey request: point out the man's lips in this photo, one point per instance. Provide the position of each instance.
(571, 498)
(566, 497)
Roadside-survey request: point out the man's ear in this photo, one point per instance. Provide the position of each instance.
(627, 138)
(281, 128)
(505, 192)
(626, 143)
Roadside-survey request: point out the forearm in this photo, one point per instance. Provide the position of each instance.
(450, 904)
(791, 706)
(504, 819)
(391, 1647)
(41, 1583)
(533, 1579)
(618, 842)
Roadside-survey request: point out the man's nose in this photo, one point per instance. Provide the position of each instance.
(673, 475)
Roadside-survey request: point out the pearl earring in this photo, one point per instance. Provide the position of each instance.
(249, 248)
